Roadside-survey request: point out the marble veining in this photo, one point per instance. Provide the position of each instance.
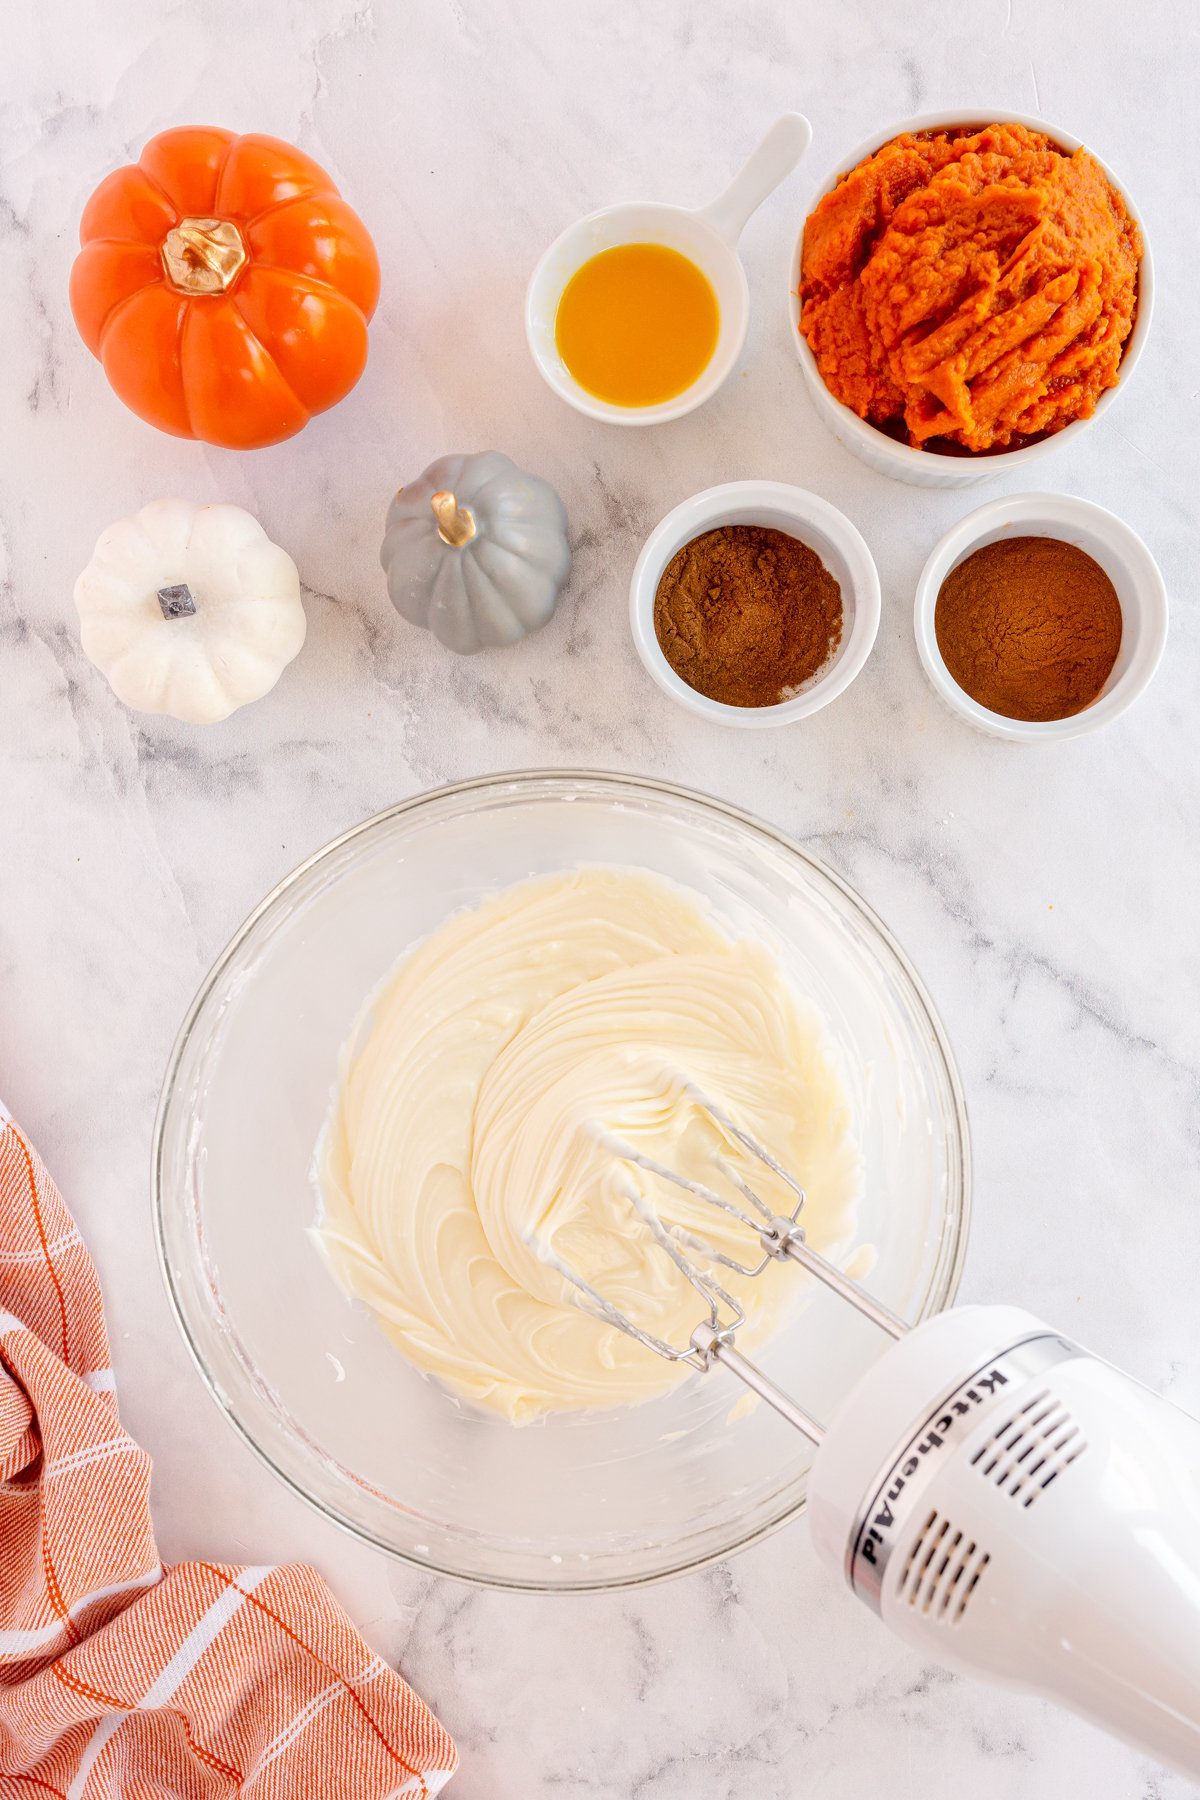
(1048, 897)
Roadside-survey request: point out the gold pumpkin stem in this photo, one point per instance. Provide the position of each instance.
(203, 256)
(455, 523)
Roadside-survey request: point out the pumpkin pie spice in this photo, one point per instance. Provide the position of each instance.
(1030, 627)
(746, 614)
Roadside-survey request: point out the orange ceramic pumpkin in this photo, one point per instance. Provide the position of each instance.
(226, 286)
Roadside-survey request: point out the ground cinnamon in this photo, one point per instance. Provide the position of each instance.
(746, 614)
(1029, 627)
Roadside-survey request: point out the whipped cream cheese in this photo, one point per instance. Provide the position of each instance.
(473, 1145)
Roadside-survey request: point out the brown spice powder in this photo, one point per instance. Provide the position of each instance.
(746, 614)
(1030, 627)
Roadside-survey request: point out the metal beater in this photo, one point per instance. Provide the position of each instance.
(998, 1495)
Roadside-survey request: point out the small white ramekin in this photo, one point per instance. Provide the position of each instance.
(694, 237)
(1121, 554)
(926, 468)
(801, 514)
(708, 237)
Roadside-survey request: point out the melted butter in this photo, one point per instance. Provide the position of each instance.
(637, 324)
(466, 1152)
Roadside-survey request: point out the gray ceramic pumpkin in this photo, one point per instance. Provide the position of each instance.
(476, 551)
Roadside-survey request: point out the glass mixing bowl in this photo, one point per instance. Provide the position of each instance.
(587, 1500)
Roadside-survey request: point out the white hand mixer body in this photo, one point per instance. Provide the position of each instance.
(1004, 1500)
(1019, 1509)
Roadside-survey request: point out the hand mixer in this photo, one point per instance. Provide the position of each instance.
(1003, 1499)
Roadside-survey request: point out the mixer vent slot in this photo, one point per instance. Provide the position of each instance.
(942, 1571)
(1031, 1448)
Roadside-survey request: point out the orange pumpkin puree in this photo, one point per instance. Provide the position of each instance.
(975, 286)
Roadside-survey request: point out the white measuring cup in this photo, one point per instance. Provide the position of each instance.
(708, 236)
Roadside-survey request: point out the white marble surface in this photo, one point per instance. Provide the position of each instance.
(1048, 897)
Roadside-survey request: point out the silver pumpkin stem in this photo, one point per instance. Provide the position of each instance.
(177, 601)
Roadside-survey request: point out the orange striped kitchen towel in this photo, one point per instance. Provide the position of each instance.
(120, 1677)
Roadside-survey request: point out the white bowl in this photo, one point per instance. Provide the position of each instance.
(1125, 560)
(801, 514)
(922, 467)
(708, 237)
(688, 232)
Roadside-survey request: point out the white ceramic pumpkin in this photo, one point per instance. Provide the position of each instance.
(476, 551)
(189, 610)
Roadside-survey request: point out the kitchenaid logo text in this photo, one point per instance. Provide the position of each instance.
(965, 1403)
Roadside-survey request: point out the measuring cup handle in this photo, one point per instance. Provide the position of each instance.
(777, 155)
